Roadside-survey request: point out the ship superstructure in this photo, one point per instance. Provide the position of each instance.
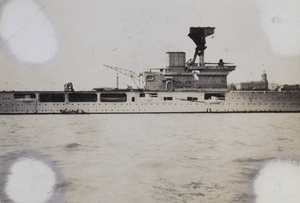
(180, 87)
(180, 75)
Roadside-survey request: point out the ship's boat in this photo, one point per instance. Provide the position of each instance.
(181, 87)
(66, 111)
(26, 98)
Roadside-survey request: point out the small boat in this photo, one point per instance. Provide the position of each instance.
(66, 111)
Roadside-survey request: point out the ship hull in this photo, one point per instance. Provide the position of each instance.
(137, 102)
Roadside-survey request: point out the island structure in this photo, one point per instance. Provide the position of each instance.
(180, 87)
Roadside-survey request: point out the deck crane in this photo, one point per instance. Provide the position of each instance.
(134, 76)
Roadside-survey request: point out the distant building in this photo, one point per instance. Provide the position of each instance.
(255, 85)
(291, 87)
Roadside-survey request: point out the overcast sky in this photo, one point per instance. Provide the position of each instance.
(46, 43)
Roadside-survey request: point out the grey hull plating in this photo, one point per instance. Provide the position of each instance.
(157, 102)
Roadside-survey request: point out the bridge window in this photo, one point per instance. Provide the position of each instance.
(82, 97)
(153, 94)
(168, 98)
(142, 95)
(192, 98)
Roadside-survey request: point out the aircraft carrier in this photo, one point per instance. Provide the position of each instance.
(181, 87)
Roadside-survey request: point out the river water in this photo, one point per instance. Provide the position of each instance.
(149, 158)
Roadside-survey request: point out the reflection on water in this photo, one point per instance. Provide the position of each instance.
(156, 158)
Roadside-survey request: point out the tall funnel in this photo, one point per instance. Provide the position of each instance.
(198, 34)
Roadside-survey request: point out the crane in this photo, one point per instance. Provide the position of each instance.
(134, 76)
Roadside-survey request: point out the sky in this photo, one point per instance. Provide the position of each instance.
(47, 43)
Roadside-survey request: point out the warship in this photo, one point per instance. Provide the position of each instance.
(180, 87)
